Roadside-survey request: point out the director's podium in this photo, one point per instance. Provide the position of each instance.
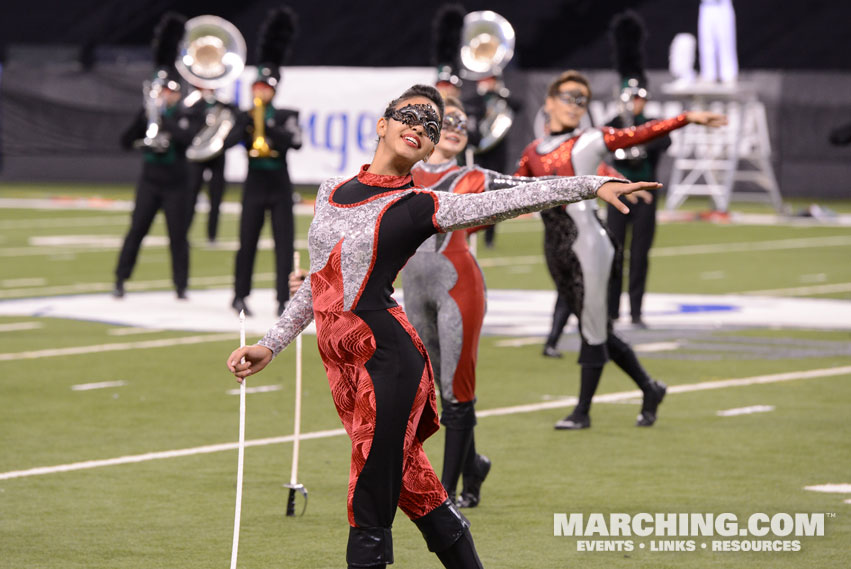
(710, 161)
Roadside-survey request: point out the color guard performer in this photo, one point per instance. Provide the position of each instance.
(577, 247)
(364, 231)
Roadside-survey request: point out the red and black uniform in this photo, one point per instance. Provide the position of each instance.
(363, 232)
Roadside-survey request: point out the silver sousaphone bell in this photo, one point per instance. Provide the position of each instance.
(487, 46)
(211, 55)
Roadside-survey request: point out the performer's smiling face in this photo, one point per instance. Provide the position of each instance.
(412, 129)
(453, 136)
(568, 107)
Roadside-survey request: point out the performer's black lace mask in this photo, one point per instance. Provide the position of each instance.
(423, 115)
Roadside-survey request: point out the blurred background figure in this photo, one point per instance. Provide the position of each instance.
(446, 32)
(716, 35)
(212, 56)
(213, 168)
(637, 163)
(487, 41)
(162, 130)
(681, 58)
(268, 133)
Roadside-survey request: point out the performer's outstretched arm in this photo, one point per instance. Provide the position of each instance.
(457, 211)
(616, 138)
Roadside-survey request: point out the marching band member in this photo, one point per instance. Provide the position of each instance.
(215, 166)
(164, 132)
(268, 134)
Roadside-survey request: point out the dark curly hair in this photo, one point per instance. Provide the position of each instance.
(426, 91)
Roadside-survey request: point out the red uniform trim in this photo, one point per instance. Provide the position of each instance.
(382, 180)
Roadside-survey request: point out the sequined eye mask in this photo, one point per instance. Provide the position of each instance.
(413, 115)
(573, 98)
(456, 122)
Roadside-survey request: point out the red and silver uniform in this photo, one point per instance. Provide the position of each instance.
(444, 286)
(577, 248)
(363, 232)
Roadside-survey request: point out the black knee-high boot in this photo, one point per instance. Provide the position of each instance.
(476, 469)
(455, 451)
(654, 391)
(579, 418)
(622, 354)
(589, 380)
(447, 534)
(462, 554)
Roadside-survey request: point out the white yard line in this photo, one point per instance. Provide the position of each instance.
(132, 331)
(708, 249)
(559, 403)
(97, 385)
(92, 221)
(130, 286)
(116, 347)
(745, 410)
(109, 243)
(802, 290)
(831, 488)
(17, 326)
(748, 246)
(10, 283)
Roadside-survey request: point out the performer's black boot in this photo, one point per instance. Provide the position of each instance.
(580, 418)
(625, 358)
(369, 547)
(462, 554)
(455, 452)
(447, 534)
(561, 313)
(654, 391)
(474, 476)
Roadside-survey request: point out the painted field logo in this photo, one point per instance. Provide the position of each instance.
(683, 526)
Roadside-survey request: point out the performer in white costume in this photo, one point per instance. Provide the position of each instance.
(716, 36)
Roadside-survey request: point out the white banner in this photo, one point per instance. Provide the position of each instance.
(338, 109)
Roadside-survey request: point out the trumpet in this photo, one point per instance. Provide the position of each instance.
(259, 146)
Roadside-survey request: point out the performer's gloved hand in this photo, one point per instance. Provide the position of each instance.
(706, 118)
(611, 191)
(256, 358)
(296, 280)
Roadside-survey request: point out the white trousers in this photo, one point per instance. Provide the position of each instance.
(716, 34)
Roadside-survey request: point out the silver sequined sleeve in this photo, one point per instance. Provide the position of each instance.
(498, 181)
(457, 211)
(296, 317)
